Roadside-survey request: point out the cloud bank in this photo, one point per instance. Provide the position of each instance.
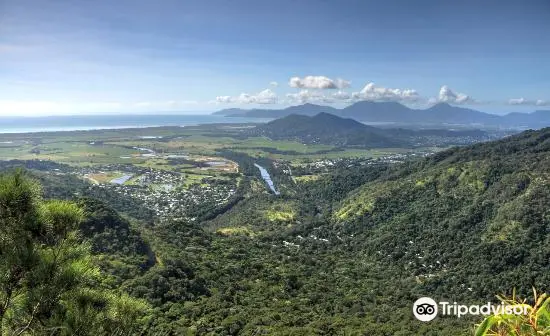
(316, 85)
(377, 93)
(308, 96)
(314, 89)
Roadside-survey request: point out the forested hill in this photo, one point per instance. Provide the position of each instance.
(365, 242)
(324, 128)
(464, 223)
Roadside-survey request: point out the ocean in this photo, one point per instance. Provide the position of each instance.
(93, 122)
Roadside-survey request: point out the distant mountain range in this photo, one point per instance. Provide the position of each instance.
(390, 112)
(329, 129)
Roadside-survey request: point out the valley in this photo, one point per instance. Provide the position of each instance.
(173, 171)
(223, 230)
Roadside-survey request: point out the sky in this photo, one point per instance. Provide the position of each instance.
(134, 56)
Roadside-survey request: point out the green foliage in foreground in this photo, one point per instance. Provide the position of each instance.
(48, 273)
(535, 322)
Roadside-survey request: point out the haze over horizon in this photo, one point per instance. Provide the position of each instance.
(74, 57)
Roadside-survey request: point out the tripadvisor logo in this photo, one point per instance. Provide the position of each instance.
(426, 309)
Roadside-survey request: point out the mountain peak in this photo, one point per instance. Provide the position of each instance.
(442, 105)
(324, 128)
(326, 115)
(308, 107)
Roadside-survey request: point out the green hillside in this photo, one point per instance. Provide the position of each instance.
(464, 223)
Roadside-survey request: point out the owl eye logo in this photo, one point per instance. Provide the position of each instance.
(425, 309)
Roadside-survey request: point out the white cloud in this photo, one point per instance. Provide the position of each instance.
(376, 93)
(433, 100)
(224, 99)
(446, 95)
(318, 82)
(518, 101)
(275, 84)
(266, 96)
(342, 83)
(308, 96)
(369, 92)
(523, 101)
(341, 95)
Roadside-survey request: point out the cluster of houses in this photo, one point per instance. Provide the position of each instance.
(168, 193)
(172, 201)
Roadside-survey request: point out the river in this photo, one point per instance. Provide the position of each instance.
(267, 178)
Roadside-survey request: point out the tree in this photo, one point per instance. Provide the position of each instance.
(47, 271)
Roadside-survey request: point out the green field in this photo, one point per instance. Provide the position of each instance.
(189, 151)
(89, 148)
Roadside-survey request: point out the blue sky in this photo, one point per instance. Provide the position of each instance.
(83, 57)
